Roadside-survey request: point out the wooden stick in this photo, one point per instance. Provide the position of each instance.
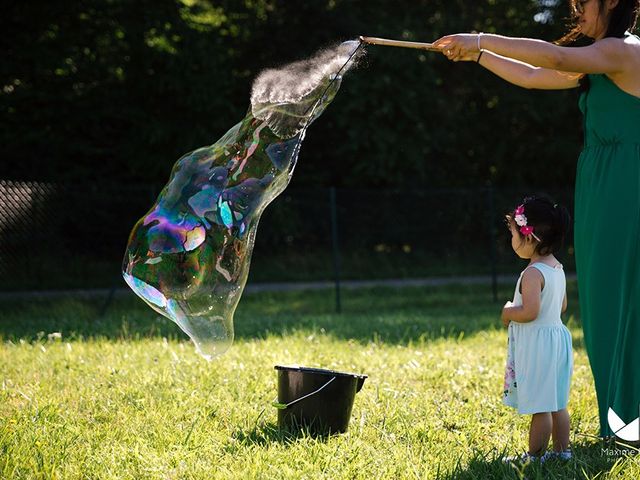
(400, 43)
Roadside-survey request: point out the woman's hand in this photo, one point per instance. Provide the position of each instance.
(505, 319)
(462, 47)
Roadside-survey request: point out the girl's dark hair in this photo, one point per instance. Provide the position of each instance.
(551, 222)
(623, 18)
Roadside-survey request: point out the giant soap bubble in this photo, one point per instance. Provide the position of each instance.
(189, 256)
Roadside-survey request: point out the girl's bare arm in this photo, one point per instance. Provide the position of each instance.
(531, 287)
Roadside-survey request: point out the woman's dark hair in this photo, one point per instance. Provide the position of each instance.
(623, 18)
(551, 222)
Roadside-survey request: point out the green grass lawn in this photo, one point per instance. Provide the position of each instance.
(124, 395)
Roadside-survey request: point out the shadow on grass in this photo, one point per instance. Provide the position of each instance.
(268, 433)
(391, 315)
(591, 459)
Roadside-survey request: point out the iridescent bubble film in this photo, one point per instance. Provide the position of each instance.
(189, 256)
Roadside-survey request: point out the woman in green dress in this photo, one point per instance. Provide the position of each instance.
(607, 195)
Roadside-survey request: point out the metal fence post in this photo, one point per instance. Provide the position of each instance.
(334, 242)
(492, 235)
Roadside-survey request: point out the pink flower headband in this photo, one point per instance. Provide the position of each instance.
(521, 221)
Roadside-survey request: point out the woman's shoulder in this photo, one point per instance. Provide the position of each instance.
(617, 46)
(631, 40)
(628, 34)
(629, 43)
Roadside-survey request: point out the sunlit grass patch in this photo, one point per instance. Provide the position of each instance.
(126, 396)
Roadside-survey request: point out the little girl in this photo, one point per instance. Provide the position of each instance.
(539, 357)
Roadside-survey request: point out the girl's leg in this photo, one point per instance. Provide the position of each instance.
(539, 433)
(560, 431)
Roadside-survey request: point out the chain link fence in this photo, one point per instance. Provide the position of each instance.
(56, 236)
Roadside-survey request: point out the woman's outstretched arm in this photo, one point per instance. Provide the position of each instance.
(528, 76)
(609, 55)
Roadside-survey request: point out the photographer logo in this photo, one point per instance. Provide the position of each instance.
(629, 432)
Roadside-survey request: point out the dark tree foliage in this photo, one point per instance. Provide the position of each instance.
(117, 90)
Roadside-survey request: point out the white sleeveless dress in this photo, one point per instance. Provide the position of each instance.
(539, 355)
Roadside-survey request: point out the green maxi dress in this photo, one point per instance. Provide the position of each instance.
(607, 245)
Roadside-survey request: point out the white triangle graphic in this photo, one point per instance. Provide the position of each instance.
(629, 432)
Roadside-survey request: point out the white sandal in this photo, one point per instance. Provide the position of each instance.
(564, 455)
(524, 458)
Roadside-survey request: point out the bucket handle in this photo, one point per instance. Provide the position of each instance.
(284, 406)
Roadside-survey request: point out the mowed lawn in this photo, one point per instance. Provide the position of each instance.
(122, 393)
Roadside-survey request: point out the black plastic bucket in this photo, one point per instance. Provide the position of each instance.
(316, 399)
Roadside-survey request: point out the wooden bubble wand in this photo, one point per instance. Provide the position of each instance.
(400, 43)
